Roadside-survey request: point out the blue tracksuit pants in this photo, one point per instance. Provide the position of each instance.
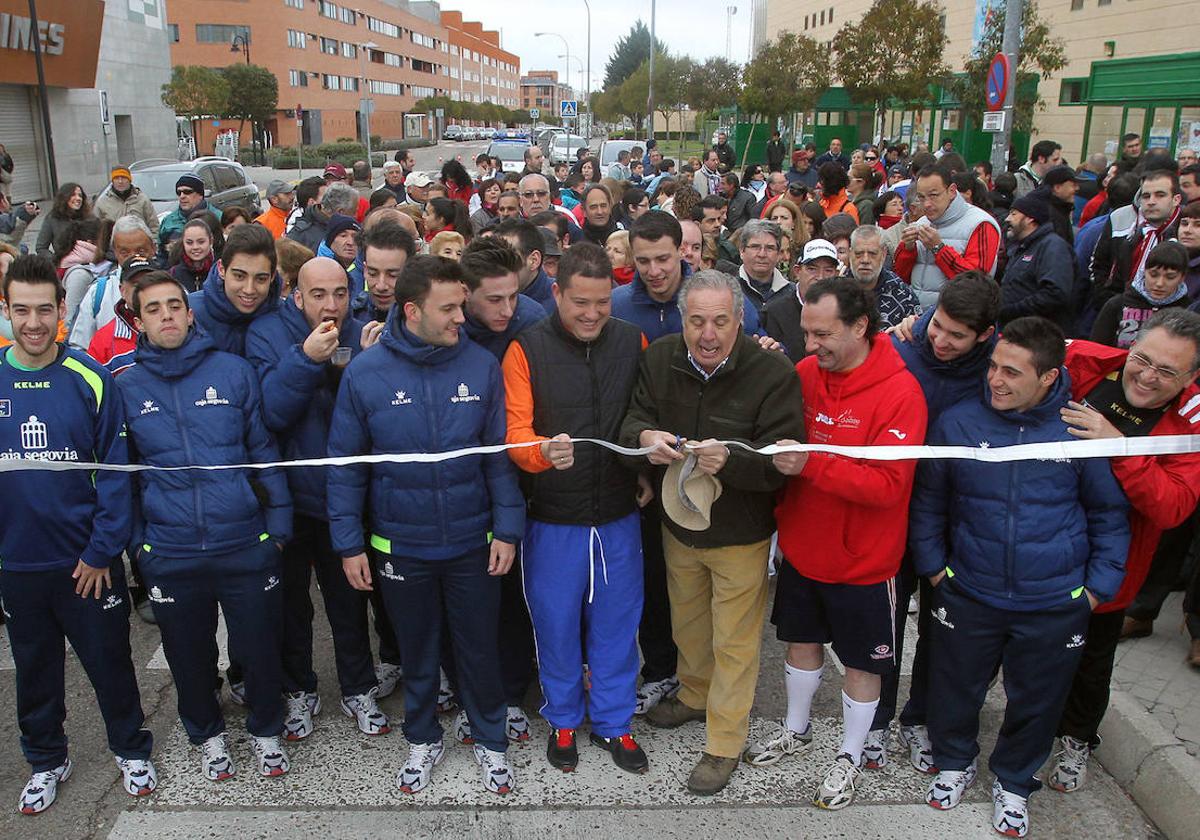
(590, 577)
(185, 593)
(1039, 652)
(41, 610)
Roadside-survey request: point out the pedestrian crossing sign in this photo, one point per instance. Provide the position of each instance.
(568, 109)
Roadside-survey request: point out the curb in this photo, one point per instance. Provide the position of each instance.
(1151, 765)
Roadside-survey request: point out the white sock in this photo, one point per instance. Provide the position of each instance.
(856, 721)
(801, 688)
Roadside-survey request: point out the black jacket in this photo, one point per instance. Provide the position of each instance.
(583, 389)
(724, 155)
(775, 155)
(741, 209)
(781, 320)
(1039, 279)
(310, 229)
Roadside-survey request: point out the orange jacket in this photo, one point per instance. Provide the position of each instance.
(839, 203)
(274, 220)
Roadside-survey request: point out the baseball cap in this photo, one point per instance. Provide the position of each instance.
(550, 246)
(134, 266)
(1060, 175)
(278, 187)
(335, 170)
(417, 179)
(815, 249)
(900, 169)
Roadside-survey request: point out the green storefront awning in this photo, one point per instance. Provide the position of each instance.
(1121, 81)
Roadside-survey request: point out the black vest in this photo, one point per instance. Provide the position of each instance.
(583, 389)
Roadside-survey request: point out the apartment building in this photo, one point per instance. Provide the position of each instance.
(541, 89)
(1126, 72)
(334, 59)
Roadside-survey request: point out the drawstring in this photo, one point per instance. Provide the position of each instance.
(593, 539)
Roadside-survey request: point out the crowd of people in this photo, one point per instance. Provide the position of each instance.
(678, 310)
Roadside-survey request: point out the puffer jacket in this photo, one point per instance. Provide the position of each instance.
(403, 395)
(298, 395)
(197, 405)
(1018, 535)
(221, 320)
(111, 206)
(172, 225)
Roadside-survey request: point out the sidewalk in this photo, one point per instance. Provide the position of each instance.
(1152, 730)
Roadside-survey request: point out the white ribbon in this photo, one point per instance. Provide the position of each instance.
(1058, 450)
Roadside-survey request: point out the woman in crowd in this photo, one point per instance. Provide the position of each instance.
(231, 217)
(382, 197)
(812, 218)
(70, 205)
(446, 214)
(888, 209)
(863, 186)
(621, 254)
(447, 244)
(84, 259)
(458, 183)
(290, 255)
(196, 254)
(489, 197)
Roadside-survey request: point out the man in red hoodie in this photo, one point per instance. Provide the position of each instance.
(1147, 390)
(842, 525)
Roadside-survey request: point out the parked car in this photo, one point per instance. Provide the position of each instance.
(609, 150)
(226, 183)
(453, 132)
(510, 152)
(564, 146)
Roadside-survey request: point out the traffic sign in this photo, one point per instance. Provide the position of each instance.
(998, 78)
(568, 109)
(534, 113)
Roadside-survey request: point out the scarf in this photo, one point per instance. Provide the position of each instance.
(1148, 236)
(714, 180)
(124, 196)
(1139, 286)
(886, 222)
(200, 268)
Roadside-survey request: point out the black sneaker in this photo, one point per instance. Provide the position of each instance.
(561, 751)
(625, 752)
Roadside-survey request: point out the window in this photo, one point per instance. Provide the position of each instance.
(295, 4)
(329, 45)
(1076, 5)
(453, 50)
(349, 50)
(173, 29)
(298, 78)
(423, 40)
(297, 39)
(389, 59)
(327, 9)
(348, 16)
(419, 91)
(1104, 3)
(831, 14)
(228, 178)
(386, 88)
(1073, 92)
(453, 72)
(423, 66)
(383, 27)
(806, 22)
(331, 82)
(218, 33)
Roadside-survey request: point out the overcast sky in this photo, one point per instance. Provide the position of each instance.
(679, 27)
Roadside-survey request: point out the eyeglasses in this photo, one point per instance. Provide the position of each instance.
(535, 194)
(185, 191)
(870, 157)
(761, 248)
(1164, 373)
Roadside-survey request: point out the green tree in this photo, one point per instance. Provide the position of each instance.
(196, 92)
(634, 93)
(788, 74)
(1041, 53)
(714, 84)
(628, 55)
(253, 95)
(875, 74)
(671, 74)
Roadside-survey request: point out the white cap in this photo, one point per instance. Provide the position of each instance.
(814, 249)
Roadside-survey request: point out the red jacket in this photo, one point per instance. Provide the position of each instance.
(114, 344)
(1162, 489)
(843, 520)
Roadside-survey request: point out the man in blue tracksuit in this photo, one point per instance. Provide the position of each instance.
(299, 351)
(207, 538)
(61, 537)
(241, 287)
(1019, 554)
(572, 375)
(948, 353)
(535, 283)
(442, 533)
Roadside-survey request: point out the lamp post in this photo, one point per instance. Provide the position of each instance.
(366, 103)
(241, 43)
(579, 62)
(588, 82)
(565, 44)
(650, 86)
(42, 100)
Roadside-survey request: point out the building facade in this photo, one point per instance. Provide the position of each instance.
(130, 56)
(541, 89)
(329, 57)
(1125, 72)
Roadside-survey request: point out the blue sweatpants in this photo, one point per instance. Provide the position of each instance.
(1039, 651)
(185, 593)
(417, 594)
(41, 609)
(577, 573)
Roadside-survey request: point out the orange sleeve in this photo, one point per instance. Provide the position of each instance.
(851, 209)
(518, 402)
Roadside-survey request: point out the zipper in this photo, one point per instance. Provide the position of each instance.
(596, 425)
(432, 420)
(197, 499)
(1011, 523)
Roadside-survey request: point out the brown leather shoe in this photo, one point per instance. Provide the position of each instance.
(710, 774)
(1135, 628)
(1193, 657)
(672, 713)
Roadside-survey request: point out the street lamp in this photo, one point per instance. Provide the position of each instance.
(568, 46)
(366, 102)
(241, 43)
(588, 92)
(578, 61)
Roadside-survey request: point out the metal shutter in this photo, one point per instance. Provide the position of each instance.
(18, 135)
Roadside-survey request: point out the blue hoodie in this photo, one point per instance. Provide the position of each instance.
(528, 313)
(632, 302)
(221, 320)
(197, 405)
(945, 384)
(66, 411)
(1021, 535)
(298, 395)
(541, 290)
(403, 395)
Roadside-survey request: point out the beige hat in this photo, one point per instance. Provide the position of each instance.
(688, 494)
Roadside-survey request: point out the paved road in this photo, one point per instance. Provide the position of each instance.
(341, 784)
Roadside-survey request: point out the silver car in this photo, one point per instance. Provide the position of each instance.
(226, 183)
(564, 146)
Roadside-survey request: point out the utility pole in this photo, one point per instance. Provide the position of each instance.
(1013, 12)
(730, 11)
(650, 87)
(587, 96)
(45, 103)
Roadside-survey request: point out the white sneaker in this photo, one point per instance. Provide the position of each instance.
(314, 702)
(948, 786)
(446, 700)
(516, 728)
(775, 743)
(138, 776)
(422, 758)
(1010, 812)
(653, 693)
(388, 676)
(874, 756)
(366, 713)
(42, 789)
(837, 789)
(1070, 768)
(298, 723)
(920, 748)
(217, 762)
(462, 729)
(271, 755)
(237, 692)
(497, 775)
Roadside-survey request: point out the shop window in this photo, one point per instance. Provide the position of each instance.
(1076, 5)
(1073, 92)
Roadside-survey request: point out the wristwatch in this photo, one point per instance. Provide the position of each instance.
(936, 248)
